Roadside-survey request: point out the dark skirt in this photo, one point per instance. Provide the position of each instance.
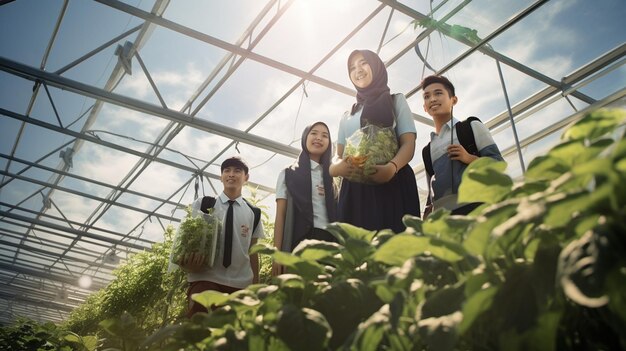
(382, 206)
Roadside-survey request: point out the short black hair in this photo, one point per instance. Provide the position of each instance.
(235, 161)
(439, 79)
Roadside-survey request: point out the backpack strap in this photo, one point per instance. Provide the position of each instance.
(207, 203)
(466, 136)
(428, 163)
(257, 214)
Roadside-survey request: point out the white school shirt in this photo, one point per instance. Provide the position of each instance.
(320, 216)
(239, 273)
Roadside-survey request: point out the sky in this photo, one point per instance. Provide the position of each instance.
(555, 40)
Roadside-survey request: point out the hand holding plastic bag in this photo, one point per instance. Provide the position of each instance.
(369, 146)
(196, 241)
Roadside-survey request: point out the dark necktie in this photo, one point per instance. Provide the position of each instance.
(228, 239)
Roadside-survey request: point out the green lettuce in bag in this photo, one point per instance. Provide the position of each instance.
(197, 234)
(369, 146)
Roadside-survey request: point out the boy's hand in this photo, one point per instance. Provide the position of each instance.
(458, 153)
(192, 263)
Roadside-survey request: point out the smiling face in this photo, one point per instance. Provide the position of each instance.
(317, 141)
(360, 71)
(437, 101)
(233, 179)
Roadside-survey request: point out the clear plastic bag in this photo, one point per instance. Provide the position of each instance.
(369, 146)
(197, 234)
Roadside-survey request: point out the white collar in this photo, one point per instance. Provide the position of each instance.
(224, 198)
(445, 128)
(314, 164)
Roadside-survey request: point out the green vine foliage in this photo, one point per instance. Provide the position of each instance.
(26, 334)
(540, 266)
(142, 291)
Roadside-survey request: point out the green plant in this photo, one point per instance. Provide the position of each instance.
(540, 266)
(142, 288)
(26, 334)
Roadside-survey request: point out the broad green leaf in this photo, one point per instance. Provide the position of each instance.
(356, 251)
(596, 124)
(528, 188)
(576, 152)
(563, 207)
(290, 281)
(309, 269)
(90, 342)
(509, 239)
(369, 338)
(314, 250)
(480, 234)
(484, 180)
(413, 222)
(531, 249)
(286, 258)
(346, 304)
(443, 302)
(345, 230)
(370, 333)
(244, 300)
(599, 166)
(384, 292)
(72, 337)
(257, 343)
(262, 248)
(400, 248)
(210, 297)
(404, 246)
(439, 333)
(303, 328)
(450, 228)
(545, 168)
(476, 282)
(475, 305)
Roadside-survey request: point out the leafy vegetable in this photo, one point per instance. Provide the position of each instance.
(197, 235)
(369, 146)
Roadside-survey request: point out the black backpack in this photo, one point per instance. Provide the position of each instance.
(466, 138)
(209, 202)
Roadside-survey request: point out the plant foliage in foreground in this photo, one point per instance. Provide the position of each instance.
(540, 266)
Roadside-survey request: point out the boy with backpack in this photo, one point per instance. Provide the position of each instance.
(234, 268)
(451, 149)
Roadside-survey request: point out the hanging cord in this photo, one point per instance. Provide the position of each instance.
(508, 106)
(293, 132)
(295, 122)
(452, 142)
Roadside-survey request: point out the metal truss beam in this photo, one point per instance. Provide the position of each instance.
(78, 233)
(92, 139)
(34, 74)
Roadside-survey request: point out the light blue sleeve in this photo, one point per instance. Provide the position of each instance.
(342, 132)
(404, 116)
(484, 141)
(281, 185)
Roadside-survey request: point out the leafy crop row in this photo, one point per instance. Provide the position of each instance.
(540, 266)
